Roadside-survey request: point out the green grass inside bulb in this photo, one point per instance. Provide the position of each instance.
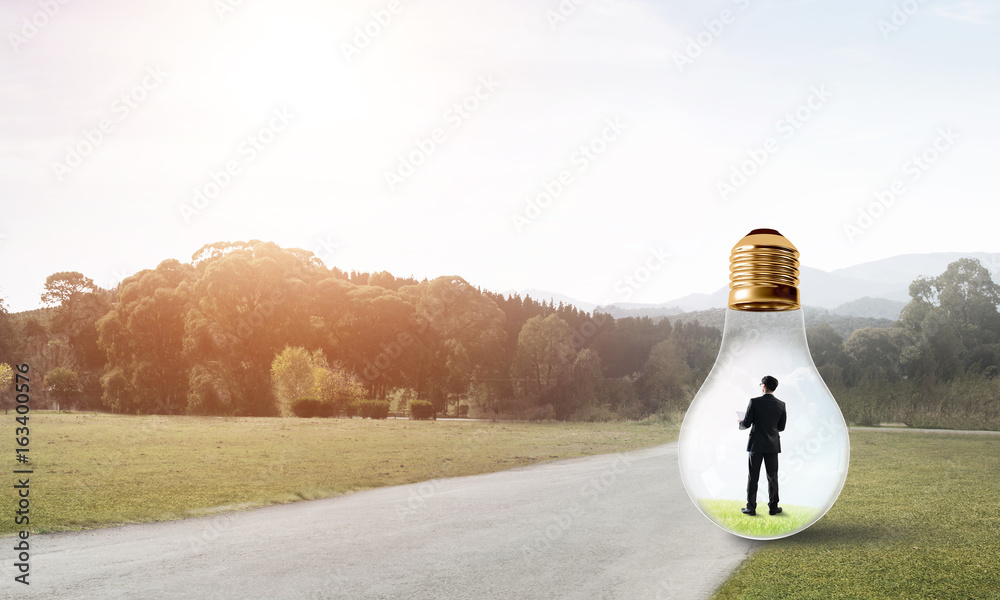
(727, 513)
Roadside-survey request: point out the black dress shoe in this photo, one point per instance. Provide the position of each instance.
(748, 512)
(775, 511)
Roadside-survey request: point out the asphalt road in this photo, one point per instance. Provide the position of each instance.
(612, 526)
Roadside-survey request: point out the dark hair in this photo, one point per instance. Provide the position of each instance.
(770, 383)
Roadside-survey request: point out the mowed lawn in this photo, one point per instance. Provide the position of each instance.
(919, 517)
(95, 469)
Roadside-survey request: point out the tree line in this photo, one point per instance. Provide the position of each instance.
(225, 334)
(250, 328)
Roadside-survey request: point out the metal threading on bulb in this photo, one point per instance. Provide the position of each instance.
(764, 273)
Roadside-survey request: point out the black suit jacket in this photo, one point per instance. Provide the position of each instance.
(765, 417)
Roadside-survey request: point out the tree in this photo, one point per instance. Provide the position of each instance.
(583, 391)
(6, 391)
(296, 373)
(143, 340)
(7, 334)
(827, 349)
(371, 330)
(251, 299)
(826, 345)
(877, 351)
(953, 320)
(665, 381)
(65, 287)
(292, 377)
(64, 383)
(79, 304)
(337, 386)
(936, 349)
(450, 314)
(544, 356)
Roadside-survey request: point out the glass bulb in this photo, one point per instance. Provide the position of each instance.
(764, 335)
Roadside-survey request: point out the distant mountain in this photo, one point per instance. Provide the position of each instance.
(907, 267)
(875, 308)
(886, 279)
(875, 290)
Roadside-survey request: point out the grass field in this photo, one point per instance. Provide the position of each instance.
(96, 469)
(763, 525)
(919, 517)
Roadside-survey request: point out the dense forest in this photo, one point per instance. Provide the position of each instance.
(215, 336)
(249, 328)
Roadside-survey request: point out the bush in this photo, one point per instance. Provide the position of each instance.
(463, 410)
(370, 409)
(541, 413)
(421, 409)
(594, 414)
(307, 408)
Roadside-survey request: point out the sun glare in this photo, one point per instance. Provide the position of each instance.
(276, 62)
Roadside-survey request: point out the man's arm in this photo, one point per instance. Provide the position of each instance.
(781, 419)
(748, 417)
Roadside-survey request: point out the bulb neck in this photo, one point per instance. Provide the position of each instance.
(764, 273)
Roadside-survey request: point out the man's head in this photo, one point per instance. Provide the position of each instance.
(769, 384)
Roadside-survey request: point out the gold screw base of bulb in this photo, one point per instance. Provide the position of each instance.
(764, 273)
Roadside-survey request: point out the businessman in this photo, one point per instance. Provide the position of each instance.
(765, 417)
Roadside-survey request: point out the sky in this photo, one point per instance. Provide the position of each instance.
(608, 150)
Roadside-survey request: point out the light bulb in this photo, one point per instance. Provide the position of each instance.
(764, 335)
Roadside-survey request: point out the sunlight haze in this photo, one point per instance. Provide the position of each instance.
(412, 137)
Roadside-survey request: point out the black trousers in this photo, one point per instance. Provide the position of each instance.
(770, 461)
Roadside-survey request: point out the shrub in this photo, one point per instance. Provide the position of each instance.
(594, 414)
(371, 409)
(307, 407)
(541, 413)
(421, 409)
(463, 410)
